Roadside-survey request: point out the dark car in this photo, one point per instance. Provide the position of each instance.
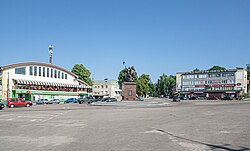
(54, 101)
(1, 106)
(176, 99)
(108, 99)
(82, 100)
(193, 97)
(227, 98)
(71, 100)
(86, 100)
(183, 98)
(98, 99)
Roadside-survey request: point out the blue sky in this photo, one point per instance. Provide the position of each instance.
(156, 36)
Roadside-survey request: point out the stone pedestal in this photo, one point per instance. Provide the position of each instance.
(129, 91)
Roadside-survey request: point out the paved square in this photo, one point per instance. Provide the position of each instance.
(188, 125)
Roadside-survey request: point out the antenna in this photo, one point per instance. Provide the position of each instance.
(50, 53)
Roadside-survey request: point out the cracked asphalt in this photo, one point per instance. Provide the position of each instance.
(153, 125)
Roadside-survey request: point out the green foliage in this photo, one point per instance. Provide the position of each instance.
(196, 70)
(248, 75)
(217, 68)
(142, 85)
(152, 89)
(245, 95)
(82, 73)
(165, 84)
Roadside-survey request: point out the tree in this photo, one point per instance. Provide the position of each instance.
(152, 89)
(161, 87)
(82, 73)
(142, 85)
(165, 84)
(196, 70)
(217, 68)
(123, 78)
(248, 75)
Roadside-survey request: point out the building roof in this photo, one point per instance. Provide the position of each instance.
(208, 71)
(105, 82)
(38, 64)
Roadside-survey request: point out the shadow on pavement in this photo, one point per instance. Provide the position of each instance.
(227, 147)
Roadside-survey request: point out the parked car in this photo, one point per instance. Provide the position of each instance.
(98, 100)
(54, 101)
(227, 98)
(1, 106)
(42, 101)
(183, 98)
(108, 99)
(193, 97)
(18, 102)
(82, 100)
(176, 99)
(71, 100)
(139, 99)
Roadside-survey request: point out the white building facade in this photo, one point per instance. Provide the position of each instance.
(34, 80)
(107, 88)
(214, 84)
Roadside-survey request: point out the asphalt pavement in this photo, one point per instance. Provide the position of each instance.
(152, 125)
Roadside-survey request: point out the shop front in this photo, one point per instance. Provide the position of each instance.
(34, 95)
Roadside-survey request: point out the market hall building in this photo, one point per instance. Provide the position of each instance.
(34, 80)
(216, 84)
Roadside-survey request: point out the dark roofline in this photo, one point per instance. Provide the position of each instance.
(10, 66)
(208, 71)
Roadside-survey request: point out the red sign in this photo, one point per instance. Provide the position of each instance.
(200, 86)
(222, 85)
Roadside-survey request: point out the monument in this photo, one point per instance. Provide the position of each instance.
(129, 84)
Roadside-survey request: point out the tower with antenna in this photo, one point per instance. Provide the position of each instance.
(50, 53)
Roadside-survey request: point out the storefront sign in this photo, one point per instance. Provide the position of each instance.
(230, 92)
(222, 85)
(198, 92)
(200, 86)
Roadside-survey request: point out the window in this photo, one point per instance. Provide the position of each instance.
(51, 73)
(31, 70)
(106, 86)
(129, 92)
(59, 74)
(55, 75)
(47, 72)
(21, 70)
(40, 71)
(35, 71)
(66, 76)
(62, 75)
(43, 71)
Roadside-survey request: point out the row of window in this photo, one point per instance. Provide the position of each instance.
(102, 92)
(208, 82)
(42, 72)
(102, 86)
(209, 89)
(208, 75)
